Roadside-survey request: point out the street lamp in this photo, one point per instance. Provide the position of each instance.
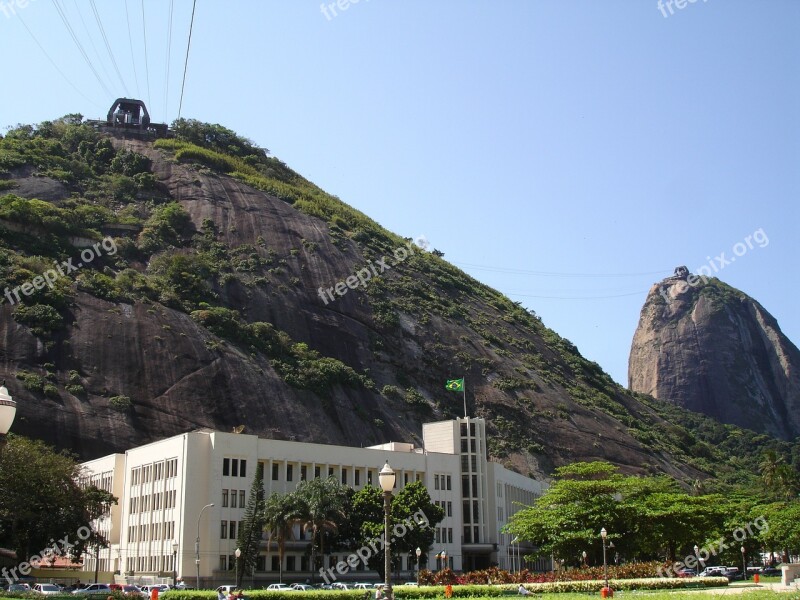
(174, 564)
(444, 559)
(238, 555)
(387, 477)
(419, 554)
(583, 554)
(696, 554)
(744, 563)
(604, 535)
(197, 548)
(514, 554)
(8, 410)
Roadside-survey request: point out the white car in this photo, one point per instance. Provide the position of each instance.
(279, 587)
(339, 586)
(47, 589)
(226, 589)
(95, 588)
(362, 586)
(302, 587)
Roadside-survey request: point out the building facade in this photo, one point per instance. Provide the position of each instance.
(164, 527)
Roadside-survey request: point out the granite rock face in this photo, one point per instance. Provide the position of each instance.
(705, 346)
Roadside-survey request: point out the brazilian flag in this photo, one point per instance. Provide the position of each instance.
(455, 385)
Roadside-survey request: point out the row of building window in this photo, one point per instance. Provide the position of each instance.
(151, 564)
(233, 495)
(227, 530)
(300, 563)
(442, 482)
(447, 507)
(234, 467)
(371, 474)
(164, 469)
(151, 531)
(444, 535)
(155, 501)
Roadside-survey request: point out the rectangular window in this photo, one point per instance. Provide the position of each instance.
(232, 530)
(472, 429)
(449, 483)
(275, 472)
(467, 535)
(241, 499)
(234, 467)
(233, 498)
(289, 472)
(276, 565)
(449, 509)
(223, 562)
(472, 447)
(436, 481)
(476, 512)
(243, 468)
(317, 472)
(261, 563)
(438, 536)
(358, 476)
(465, 486)
(369, 477)
(449, 535)
(330, 471)
(474, 463)
(224, 498)
(226, 466)
(463, 430)
(303, 472)
(223, 530)
(464, 445)
(465, 512)
(405, 478)
(476, 534)
(344, 476)
(290, 563)
(464, 463)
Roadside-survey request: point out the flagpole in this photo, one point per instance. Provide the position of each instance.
(465, 397)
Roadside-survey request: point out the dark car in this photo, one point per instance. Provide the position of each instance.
(770, 571)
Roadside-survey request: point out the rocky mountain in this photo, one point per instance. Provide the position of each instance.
(199, 282)
(708, 347)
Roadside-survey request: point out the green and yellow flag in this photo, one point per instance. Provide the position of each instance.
(455, 385)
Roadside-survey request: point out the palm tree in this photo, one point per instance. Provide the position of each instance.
(281, 513)
(322, 505)
(770, 465)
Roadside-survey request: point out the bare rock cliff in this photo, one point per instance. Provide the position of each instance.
(712, 349)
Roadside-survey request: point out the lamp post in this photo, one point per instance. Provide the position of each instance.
(744, 563)
(444, 559)
(8, 410)
(174, 564)
(238, 555)
(387, 477)
(197, 548)
(514, 554)
(696, 552)
(418, 552)
(604, 535)
(583, 554)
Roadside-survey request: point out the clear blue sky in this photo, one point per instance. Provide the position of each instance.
(520, 137)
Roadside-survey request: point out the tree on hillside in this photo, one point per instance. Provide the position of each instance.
(251, 527)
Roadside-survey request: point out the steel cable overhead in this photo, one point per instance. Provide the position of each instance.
(146, 66)
(108, 46)
(133, 56)
(169, 53)
(186, 62)
(52, 62)
(91, 40)
(80, 47)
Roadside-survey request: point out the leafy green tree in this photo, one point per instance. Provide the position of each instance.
(281, 513)
(251, 527)
(42, 500)
(413, 520)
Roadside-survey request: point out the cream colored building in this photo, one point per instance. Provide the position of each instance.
(163, 488)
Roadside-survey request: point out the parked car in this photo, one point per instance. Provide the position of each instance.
(713, 572)
(339, 586)
(95, 588)
(130, 590)
(279, 587)
(301, 587)
(685, 572)
(46, 589)
(362, 586)
(226, 589)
